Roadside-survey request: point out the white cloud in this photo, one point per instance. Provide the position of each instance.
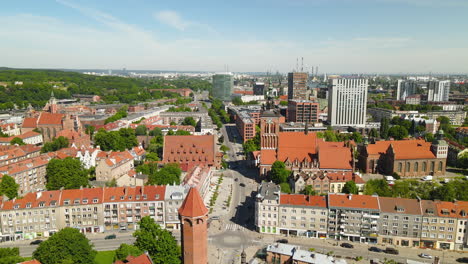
(172, 19)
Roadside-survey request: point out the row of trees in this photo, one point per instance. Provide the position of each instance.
(168, 174)
(122, 113)
(408, 188)
(70, 246)
(218, 114)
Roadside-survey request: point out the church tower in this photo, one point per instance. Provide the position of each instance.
(51, 106)
(193, 216)
(269, 130)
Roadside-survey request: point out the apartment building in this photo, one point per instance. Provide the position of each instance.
(114, 165)
(173, 198)
(401, 221)
(353, 217)
(11, 154)
(303, 215)
(267, 208)
(363, 218)
(91, 210)
(30, 174)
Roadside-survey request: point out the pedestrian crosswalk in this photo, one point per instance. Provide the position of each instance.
(234, 227)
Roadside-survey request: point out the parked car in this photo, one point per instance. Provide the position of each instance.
(424, 255)
(427, 178)
(391, 251)
(283, 240)
(462, 260)
(35, 242)
(215, 217)
(375, 249)
(346, 245)
(113, 236)
(242, 184)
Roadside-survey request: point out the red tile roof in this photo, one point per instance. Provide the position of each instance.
(296, 145)
(353, 201)
(24, 165)
(33, 261)
(193, 205)
(344, 177)
(142, 259)
(334, 156)
(400, 205)
(403, 149)
(304, 200)
(185, 149)
(30, 122)
(50, 119)
(267, 156)
(134, 193)
(446, 209)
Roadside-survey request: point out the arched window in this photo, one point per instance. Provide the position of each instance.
(424, 166)
(400, 165)
(416, 167)
(441, 164)
(408, 166)
(187, 222)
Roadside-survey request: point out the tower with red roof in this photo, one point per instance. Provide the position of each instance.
(193, 216)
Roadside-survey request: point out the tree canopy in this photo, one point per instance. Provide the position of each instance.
(398, 132)
(17, 141)
(189, 121)
(141, 130)
(8, 187)
(169, 174)
(278, 173)
(158, 242)
(10, 256)
(67, 173)
(126, 250)
(309, 190)
(55, 144)
(120, 140)
(350, 187)
(66, 246)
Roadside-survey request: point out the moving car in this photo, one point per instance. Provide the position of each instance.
(375, 249)
(35, 242)
(391, 251)
(462, 260)
(424, 255)
(113, 236)
(346, 245)
(283, 240)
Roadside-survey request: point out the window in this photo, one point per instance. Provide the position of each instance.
(95, 200)
(395, 217)
(408, 166)
(85, 201)
(432, 165)
(424, 166)
(441, 164)
(416, 166)
(400, 165)
(66, 202)
(451, 221)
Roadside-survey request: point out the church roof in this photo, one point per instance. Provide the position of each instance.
(193, 205)
(294, 145)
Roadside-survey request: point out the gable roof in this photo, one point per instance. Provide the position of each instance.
(296, 145)
(353, 201)
(50, 119)
(193, 205)
(334, 155)
(267, 156)
(400, 205)
(142, 259)
(403, 149)
(183, 149)
(30, 122)
(304, 200)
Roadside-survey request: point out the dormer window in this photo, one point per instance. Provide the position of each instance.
(122, 197)
(95, 200)
(400, 209)
(112, 198)
(53, 203)
(66, 202)
(85, 200)
(41, 204)
(130, 197)
(145, 197)
(28, 205)
(16, 206)
(156, 196)
(77, 201)
(137, 197)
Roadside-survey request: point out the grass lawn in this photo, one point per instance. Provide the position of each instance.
(105, 257)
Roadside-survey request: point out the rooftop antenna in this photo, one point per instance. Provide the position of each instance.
(302, 64)
(297, 64)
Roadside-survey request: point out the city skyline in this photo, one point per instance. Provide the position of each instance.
(337, 36)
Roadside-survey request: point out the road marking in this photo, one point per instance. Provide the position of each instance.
(234, 227)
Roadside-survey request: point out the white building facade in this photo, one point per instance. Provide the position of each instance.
(347, 102)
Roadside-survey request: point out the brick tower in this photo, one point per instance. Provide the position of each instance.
(193, 216)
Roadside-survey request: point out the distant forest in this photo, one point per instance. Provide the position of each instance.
(38, 85)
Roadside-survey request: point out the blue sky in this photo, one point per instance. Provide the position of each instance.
(351, 36)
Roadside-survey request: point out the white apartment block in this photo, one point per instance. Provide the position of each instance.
(347, 102)
(438, 91)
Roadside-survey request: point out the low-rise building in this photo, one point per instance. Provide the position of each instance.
(30, 138)
(290, 254)
(113, 165)
(267, 204)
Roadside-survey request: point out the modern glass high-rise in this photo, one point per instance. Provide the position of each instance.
(347, 102)
(222, 86)
(438, 91)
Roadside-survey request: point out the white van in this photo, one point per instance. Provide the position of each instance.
(389, 178)
(427, 178)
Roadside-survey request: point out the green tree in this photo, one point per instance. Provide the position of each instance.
(158, 242)
(377, 186)
(17, 141)
(90, 131)
(9, 187)
(221, 139)
(373, 133)
(398, 132)
(357, 137)
(10, 256)
(278, 173)
(182, 133)
(224, 148)
(330, 135)
(66, 246)
(55, 144)
(141, 130)
(67, 173)
(169, 174)
(285, 188)
(429, 137)
(189, 121)
(309, 190)
(462, 160)
(151, 156)
(126, 250)
(384, 127)
(156, 132)
(350, 187)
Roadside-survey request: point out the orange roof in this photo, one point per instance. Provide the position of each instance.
(134, 193)
(296, 145)
(50, 119)
(334, 156)
(353, 201)
(267, 156)
(305, 200)
(24, 165)
(185, 149)
(30, 122)
(33, 261)
(462, 209)
(193, 205)
(446, 209)
(344, 177)
(82, 196)
(142, 259)
(403, 149)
